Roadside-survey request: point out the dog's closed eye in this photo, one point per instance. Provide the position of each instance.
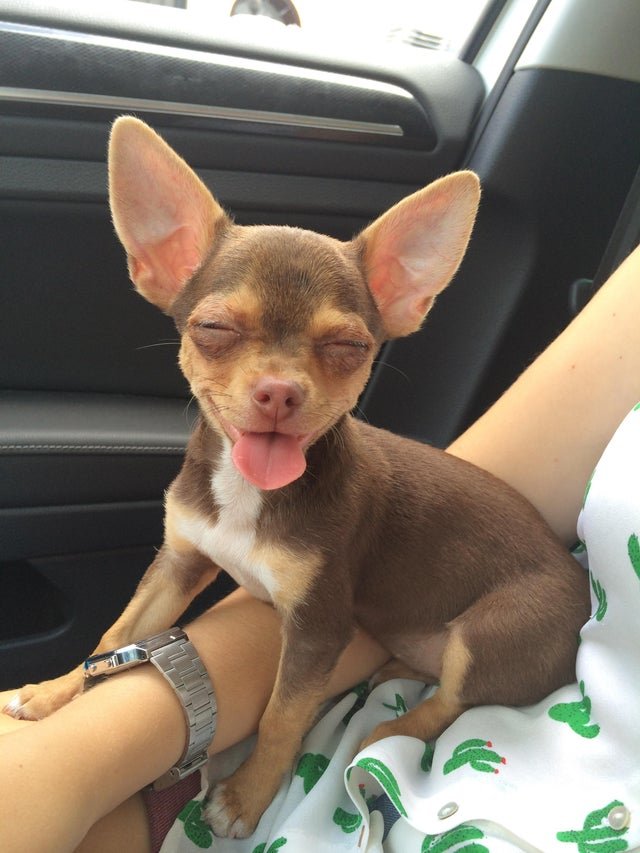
(344, 355)
(214, 338)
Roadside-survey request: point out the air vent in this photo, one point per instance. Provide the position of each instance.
(418, 38)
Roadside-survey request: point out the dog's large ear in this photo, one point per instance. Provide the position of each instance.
(163, 214)
(413, 250)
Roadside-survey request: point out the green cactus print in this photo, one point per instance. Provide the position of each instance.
(348, 821)
(385, 777)
(196, 830)
(601, 596)
(362, 691)
(400, 707)
(596, 836)
(577, 715)
(477, 753)
(275, 845)
(633, 547)
(463, 838)
(426, 761)
(310, 768)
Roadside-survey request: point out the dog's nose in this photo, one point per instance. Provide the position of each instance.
(277, 398)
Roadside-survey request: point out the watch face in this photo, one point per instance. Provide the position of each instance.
(118, 659)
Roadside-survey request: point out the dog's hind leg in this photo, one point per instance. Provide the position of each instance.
(429, 719)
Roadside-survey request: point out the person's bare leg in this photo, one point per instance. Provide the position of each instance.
(62, 775)
(126, 828)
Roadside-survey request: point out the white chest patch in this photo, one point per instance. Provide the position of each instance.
(230, 541)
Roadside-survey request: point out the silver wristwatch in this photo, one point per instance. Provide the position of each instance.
(174, 656)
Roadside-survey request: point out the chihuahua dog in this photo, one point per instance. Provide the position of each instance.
(334, 521)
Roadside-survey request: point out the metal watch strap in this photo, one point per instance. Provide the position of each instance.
(180, 664)
(174, 656)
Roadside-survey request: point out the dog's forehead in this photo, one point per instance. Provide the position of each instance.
(289, 272)
(292, 265)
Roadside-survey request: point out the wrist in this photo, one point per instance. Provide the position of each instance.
(172, 654)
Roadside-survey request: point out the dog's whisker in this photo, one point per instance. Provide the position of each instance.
(361, 413)
(380, 363)
(190, 401)
(172, 343)
(336, 435)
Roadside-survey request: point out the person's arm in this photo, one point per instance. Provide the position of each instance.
(61, 775)
(546, 433)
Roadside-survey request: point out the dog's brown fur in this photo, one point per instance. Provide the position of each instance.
(450, 569)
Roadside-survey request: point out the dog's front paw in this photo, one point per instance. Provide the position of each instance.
(234, 806)
(35, 701)
(230, 812)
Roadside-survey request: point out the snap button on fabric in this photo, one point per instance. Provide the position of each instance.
(448, 810)
(619, 817)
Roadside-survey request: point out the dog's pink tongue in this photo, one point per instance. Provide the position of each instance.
(269, 460)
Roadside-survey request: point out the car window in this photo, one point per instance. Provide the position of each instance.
(431, 24)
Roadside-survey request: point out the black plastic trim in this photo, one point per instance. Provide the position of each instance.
(47, 531)
(40, 65)
(33, 423)
(481, 30)
(446, 93)
(497, 91)
(60, 449)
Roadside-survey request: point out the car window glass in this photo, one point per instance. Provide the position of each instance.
(442, 25)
